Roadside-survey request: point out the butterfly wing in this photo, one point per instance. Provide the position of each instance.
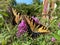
(36, 28)
(17, 16)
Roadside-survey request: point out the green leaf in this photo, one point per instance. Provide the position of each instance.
(3, 13)
(7, 37)
(56, 36)
(3, 42)
(43, 43)
(58, 32)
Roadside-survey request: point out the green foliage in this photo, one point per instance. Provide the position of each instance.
(58, 32)
(57, 36)
(3, 13)
(8, 31)
(1, 21)
(4, 4)
(31, 9)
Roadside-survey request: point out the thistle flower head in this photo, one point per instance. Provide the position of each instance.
(52, 39)
(22, 27)
(35, 19)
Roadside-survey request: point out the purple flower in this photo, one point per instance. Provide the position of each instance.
(59, 24)
(22, 27)
(19, 33)
(53, 39)
(35, 19)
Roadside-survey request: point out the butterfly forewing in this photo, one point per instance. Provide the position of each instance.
(17, 15)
